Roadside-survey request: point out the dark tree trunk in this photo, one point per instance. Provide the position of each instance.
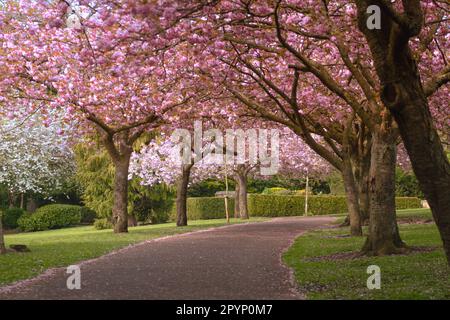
(352, 198)
(132, 222)
(120, 205)
(363, 187)
(242, 181)
(384, 237)
(181, 202)
(12, 198)
(429, 161)
(22, 200)
(348, 175)
(236, 200)
(31, 205)
(2, 239)
(402, 92)
(409, 106)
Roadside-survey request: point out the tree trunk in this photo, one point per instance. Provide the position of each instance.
(384, 237)
(12, 197)
(2, 239)
(22, 200)
(428, 158)
(120, 205)
(31, 205)
(363, 188)
(132, 222)
(236, 200)
(181, 202)
(352, 198)
(242, 181)
(402, 92)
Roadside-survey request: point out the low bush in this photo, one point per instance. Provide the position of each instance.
(276, 205)
(265, 205)
(101, 224)
(10, 217)
(53, 216)
(206, 208)
(407, 203)
(87, 215)
(294, 205)
(277, 191)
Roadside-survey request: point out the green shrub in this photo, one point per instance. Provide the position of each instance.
(406, 184)
(407, 203)
(206, 208)
(278, 206)
(53, 216)
(10, 217)
(277, 191)
(152, 204)
(88, 215)
(101, 224)
(294, 205)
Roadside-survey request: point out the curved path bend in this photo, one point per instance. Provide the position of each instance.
(241, 261)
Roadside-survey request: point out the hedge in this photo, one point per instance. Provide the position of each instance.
(206, 208)
(10, 217)
(284, 205)
(278, 205)
(408, 203)
(53, 216)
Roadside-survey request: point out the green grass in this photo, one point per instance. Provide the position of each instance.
(59, 248)
(414, 276)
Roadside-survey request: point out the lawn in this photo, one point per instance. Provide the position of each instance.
(414, 276)
(59, 248)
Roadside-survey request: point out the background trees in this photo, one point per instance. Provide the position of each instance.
(95, 174)
(283, 55)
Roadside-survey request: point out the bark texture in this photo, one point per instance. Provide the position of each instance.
(352, 198)
(350, 185)
(364, 197)
(384, 237)
(242, 181)
(2, 239)
(120, 206)
(181, 201)
(132, 222)
(405, 96)
(236, 200)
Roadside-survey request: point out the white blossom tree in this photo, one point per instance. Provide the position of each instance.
(34, 155)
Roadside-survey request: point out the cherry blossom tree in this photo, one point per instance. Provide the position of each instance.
(410, 53)
(160, 162)
(284, 55)
(121, 69)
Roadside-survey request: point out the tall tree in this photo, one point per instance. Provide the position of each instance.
(286, 46)
(394, 51)
(119, 70)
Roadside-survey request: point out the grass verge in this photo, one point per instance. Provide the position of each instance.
(59, 248)
(414, 276)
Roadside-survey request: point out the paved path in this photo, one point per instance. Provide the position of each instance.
(233, 262)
